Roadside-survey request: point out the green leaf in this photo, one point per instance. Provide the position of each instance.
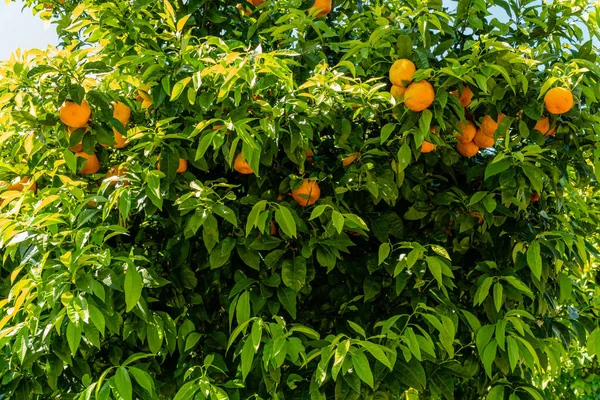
(97, 318)
(242, 309)
(132, 286)
(287, 298)
(513, 352)
(495, 168)
(253, 216)
(483, 291)
(285, 220)
(178, 88)
(386, 131)
(371, 287)
(73, 336)
(247, 358)
(404, 156)
(384, 252)
(411, 373)
(317, 211)
(226, 213)
(377, 352)
(477, 197)
(362, 367)
(435, 267)
(496, 393)
(293, 273)
(357, 328)
(338, 220)
(143, 379)
(123, 383)
(534, 259)
(488, 357)
(187, 391)
(498, 296)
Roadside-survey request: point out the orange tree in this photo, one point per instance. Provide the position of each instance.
(211, 200)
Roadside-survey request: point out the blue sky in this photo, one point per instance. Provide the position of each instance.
(22, 29)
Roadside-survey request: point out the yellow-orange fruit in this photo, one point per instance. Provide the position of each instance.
(558, 100)
(75, 115)
(307, 194)
(467, 132)
(91, 165)
(397, 91)
(427, 147)
(465, 97)
(418, 96)
(323, 6)
(401, 72)
(350, 159)
(483, 141)
(241, 165)
(468, 149)
(543, 126)
(119, 171)
(489, 126)
(180, 169)
(121, 112)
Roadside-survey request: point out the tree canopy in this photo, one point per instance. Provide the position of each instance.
(295, 200)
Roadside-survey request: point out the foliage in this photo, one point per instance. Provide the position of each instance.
(159, 284)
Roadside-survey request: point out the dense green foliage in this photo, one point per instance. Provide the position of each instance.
(164, 285)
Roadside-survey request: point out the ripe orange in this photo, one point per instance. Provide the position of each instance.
(543, 126)
(489, 126)
(465, 97)
(120, 140)
(121, 112)
(243, 9)
(350, 159)
(558, 100)
(535, 197)
(323, 6)
(241, 165)
(19, 184)
(117, 170)
(180, 169)
(418, 96)
(256, 3)
(483, 141)
(427, 147)
(75, 115)
(309, 154)
(397, 91)
(401, 72)
(468, 149)
(307, 194)
(91, 166)
(468, 132)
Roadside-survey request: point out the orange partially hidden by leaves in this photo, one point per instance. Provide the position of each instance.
(279, 197)
(465, 97)
(323, 6)
(256, 3)
(483, 141)
(397, 91)
(543, 126)
(19, 184)
(350, 159)
(468, 149)
(243, 8)
(79, 146)
(91, 165)
(558, 100)
(307, 194)
(117, 170)
(120, 140)
(489, 126)
(418, 96)
(75, 115)
(241, 165)
(535, 197)
(427, 147)
(121, 112)
(309, 154)
(180, 169)
(401, 72)
(467, 132)
(477, 215)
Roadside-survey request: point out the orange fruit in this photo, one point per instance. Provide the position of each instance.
(535, 197)
(543, 126)
(397, 91)
(558, 100)
(465, 97)
(418, 96)
(273, 228)
(117, 170)
(91, 166)
(180, 169)
(323, 6)
(256, 3)
(244, 9)
(468, 132)
(121, 112)
(75, 115)
(427, 147)
(468, 149)
(19, 184)
(401, 72)
(483, 141)
(120, 140)
(280, 197)
(350, 159)
(307, 194)
(477, 215)
(241, 165)
(489, 126)
(142, 94)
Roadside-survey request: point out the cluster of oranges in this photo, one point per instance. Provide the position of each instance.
(417, 96)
